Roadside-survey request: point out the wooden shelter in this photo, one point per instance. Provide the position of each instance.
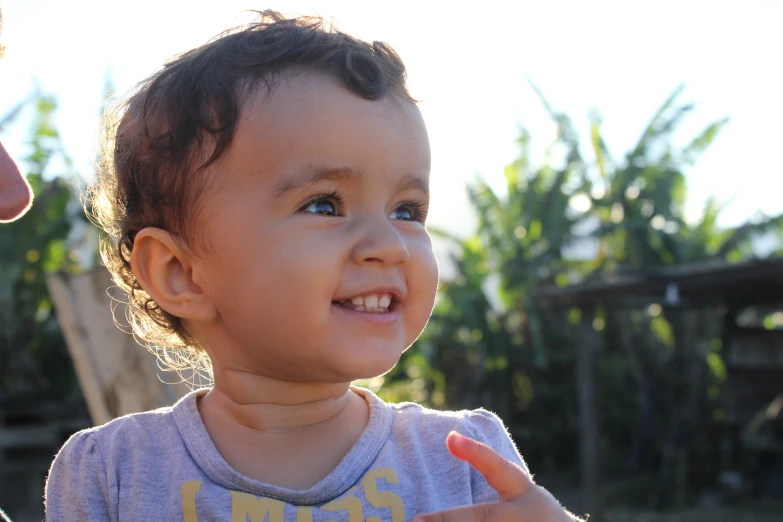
(753, 356)
(117, 375)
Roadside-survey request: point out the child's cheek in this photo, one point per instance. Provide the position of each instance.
(423, 278)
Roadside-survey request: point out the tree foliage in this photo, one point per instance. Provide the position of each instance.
(33, 354)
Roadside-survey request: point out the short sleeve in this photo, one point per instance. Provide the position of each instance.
(77, 487)
(486, 427)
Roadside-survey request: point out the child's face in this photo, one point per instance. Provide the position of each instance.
(320, 199)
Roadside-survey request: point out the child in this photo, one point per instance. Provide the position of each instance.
(266, 196)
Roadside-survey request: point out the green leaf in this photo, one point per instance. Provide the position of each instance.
(690, 153)
(658, 124)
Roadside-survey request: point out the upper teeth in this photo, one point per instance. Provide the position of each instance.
(372, 301)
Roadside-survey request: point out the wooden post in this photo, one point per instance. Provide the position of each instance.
(588, 416)
(117, 375)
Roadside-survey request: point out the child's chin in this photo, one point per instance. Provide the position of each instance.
(367, 369)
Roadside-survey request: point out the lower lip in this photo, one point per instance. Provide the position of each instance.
(381, 318)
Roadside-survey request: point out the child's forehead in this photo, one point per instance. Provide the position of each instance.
(311, 119)
(315, 96)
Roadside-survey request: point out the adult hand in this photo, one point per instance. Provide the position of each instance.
(521, 499)
(15, 193)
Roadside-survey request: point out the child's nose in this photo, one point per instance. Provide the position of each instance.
(380, 242)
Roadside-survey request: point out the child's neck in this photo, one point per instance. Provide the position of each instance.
(287, 434)
(264, 404)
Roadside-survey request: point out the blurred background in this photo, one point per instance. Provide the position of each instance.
(607, 215)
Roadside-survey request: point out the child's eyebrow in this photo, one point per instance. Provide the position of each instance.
(313, 176)
(345, 174)
(414, 183)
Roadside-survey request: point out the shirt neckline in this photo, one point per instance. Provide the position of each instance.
(350, 469)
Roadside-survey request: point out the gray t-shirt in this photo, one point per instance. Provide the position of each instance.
(162, 465)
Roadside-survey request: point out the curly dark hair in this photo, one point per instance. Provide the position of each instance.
(158, 143)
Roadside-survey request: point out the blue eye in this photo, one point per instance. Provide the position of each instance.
(402, 213)
(322, 206)
(410, 211)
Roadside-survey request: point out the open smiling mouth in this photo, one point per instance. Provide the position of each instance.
(372, 303)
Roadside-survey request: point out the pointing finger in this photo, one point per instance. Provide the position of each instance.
(508, 479)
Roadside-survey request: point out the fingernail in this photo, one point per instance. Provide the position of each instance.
(458, 438)
(418, 519)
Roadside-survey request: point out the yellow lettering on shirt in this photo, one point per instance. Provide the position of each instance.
(188, 494)
(351, 504)
(383, 498)
(304, 514)
(244, 505)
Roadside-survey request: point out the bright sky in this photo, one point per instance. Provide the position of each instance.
(467, 62)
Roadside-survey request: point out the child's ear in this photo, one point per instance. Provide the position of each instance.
(163, 269)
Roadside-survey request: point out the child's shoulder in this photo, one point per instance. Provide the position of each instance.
(134, 423)
(85, 476)
(416, 410)
(480, 424)
(418, 426)
(127, 433)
